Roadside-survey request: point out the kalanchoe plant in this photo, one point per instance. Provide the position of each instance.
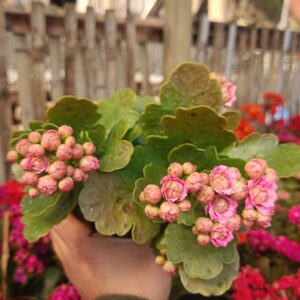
(171, 172)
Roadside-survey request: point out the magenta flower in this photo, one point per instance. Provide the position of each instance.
(47, 185)
(221, 235)
(173, 188)
(294, 215)
(222, 180)
(89, 164)
(221, 209)
(51, 140)
(169, 211)
(261, 195)
(65, 292)
(20, 275)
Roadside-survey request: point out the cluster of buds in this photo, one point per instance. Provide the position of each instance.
(167, 265)
(53, 160)
(169, 200)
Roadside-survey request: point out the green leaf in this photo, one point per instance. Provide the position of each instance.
(37, 206)
(233, 118)
(18, 135)
(215, 286)
(78, 113)
(200, 126)
(97, 135)
(198, 262)
(134, 133)
(17, 171)
(35, 125)
(142, 102)
(189, 85)
(37, 226)
(187, 218)
(253, 146)
(119, 107)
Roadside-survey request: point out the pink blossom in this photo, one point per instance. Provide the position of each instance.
(221, 235)
(203, 239)
(204, 225)
(64, 152)
(12, 156)
(47, 185)
(78, 151)
(65, 292)
(34, 137)
(22, 146)
(35, 150)
(173, 188)
(255, 168)
(185, 205)
(239, 191)
(36, 164)
(70, 141)
(221, 209)
(89, 148)
(20, 275)
(271, 174)
(51, 140)
(205, 195)
(261, 195)
(30, 178)
(235, 222)
(294, 215)
(70, 170)
(205, 178)
(169, 211)
(194, 182)
(66, 184)
(151, 212)
(222, 180)
(263, 221)
(152, 194)
(229, 93)
(57, 170)
(33, 193)
(65, 131)
(89, 164)
(175, 169)
(249, 214)
(78, 175)
(188, 168)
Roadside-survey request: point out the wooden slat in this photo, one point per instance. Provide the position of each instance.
(111, 51)
(144, 67)
(202, 39)
(38, 29)
(70, 49)
(218, 47)
(80, 78)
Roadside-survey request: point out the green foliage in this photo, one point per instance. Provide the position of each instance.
(233, 118)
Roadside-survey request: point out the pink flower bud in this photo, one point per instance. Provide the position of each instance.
(185, 205)
(70, 171)
(66, 184)
(204, 225)
(284, 195)
(33, 193)
(173, 188)
(47, 185)
(163, 251)
(236, 171)
(50, 140)
(70, 141)
(170, 268)
(169, 211)
(65, 131)
(78, 175)
(22, 146)
(188, 168)
(235, 222)
(205, 178)
(142, 198)
(30, 178)
(221, 235)
(203, 239)
(78, 151)
(271, 174)
(255, 168)
(89, 164)
(26, 163)
(249, 214)
(175, 169)
(89, 148)
(85, 178)
(57, 170)
(194, 230)
(194, 182)
(160, 260)
(239, 191)
(206, 194)
(64, 152)
(151, 212)
(12, 156)
(152, 194)
(248, 223)
(263, 221)
(34, 137)
(35, 150)
(36, 164)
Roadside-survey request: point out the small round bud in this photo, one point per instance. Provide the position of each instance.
(248, 223)
(249, 215)
(142, 198)
(152, 194)
(78, 175)
(57, 170)
(170, 268)
(271, 174)
(163, 251)
(194, 230)
(70, 171)
(255, 168)
(64, 152)
(47, 185)
(235, 171)
(78, 151)
(51, 140)
(22, 146)
(205, 178)
(239, 191)
(89, 148)
(26, 163)
(235, 222)
(206, 194)
(194, 182)
(70, 141)
(175, 169)
(203, 239)
(169, 211)
(34, 137)
(160, 260)
(66, 184)
(204, 225)
(263, 221)
(65, 131)
(185, 206)
(35, 150)
(30, 178)
(33, 193)
(188, 168)
(151, 212)
(12, 156)
(89, 164)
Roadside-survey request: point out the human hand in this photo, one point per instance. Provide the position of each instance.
(99, 265)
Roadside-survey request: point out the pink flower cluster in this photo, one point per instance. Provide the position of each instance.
(294, 215)
(261, 241)
(65, 292)
(251, 285)
(53, 160)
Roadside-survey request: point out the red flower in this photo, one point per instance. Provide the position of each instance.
(244, 129)
(11, 193)
(242, 238)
